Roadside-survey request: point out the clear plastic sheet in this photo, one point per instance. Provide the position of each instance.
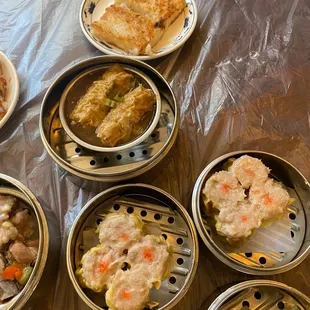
(241, 82)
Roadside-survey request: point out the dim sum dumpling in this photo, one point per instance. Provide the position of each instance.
(120, 231)
(129, 291)
(271, 198)
(151, 256)
(98, 267)
(249, 170)
(223, 189)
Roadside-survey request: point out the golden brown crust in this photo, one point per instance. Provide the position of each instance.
(125, 29)
(136, 25)
(91, 108)
(121, 121)
(162, 13)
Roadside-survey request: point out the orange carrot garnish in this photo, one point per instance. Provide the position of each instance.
(244, 218)
(148, 254)
(225, 188)
(124, 236)
(12, 272)
(126, 294)
(267, 199)
(249, 172)
(103, 266)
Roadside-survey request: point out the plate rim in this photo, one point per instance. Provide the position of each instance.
(141, 57)
(15, 80)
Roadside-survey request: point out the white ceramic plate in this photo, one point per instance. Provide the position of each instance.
(9, 72)
(176, 35)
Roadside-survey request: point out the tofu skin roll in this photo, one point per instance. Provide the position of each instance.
(119, 125)
(94, 106)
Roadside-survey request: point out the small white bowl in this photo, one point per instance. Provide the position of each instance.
(9, 72)
(175, 36)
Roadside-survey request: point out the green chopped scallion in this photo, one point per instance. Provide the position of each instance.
(111, 103)
(133, 83)
(118, 97)
(26, 275)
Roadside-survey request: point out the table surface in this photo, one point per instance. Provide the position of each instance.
(241, 82)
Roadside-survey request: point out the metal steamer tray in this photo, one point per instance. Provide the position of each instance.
(111, 166)
(156, 208)
(260, 295)
(35, 291)
(292, 228)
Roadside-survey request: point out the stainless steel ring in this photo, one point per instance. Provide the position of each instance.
(107, 167)
(258, 293)
(135, 198)
(251, 264)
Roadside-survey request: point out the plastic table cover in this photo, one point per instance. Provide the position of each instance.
(241, 82)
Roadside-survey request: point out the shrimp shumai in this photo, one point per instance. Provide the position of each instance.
(238, 213)
(120, 231)
(126, 264)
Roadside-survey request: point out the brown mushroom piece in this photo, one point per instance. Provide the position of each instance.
(22, 253)
(8, 289)
(3, 263)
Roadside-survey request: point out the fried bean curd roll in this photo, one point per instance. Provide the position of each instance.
(122, 81)
(118, 126)
(94, 106)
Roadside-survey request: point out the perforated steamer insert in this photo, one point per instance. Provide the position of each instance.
(260, 295)
(294, 230)
(112, 166)
(154, 206)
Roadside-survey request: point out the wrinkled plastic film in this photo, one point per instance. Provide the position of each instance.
(241, 82)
